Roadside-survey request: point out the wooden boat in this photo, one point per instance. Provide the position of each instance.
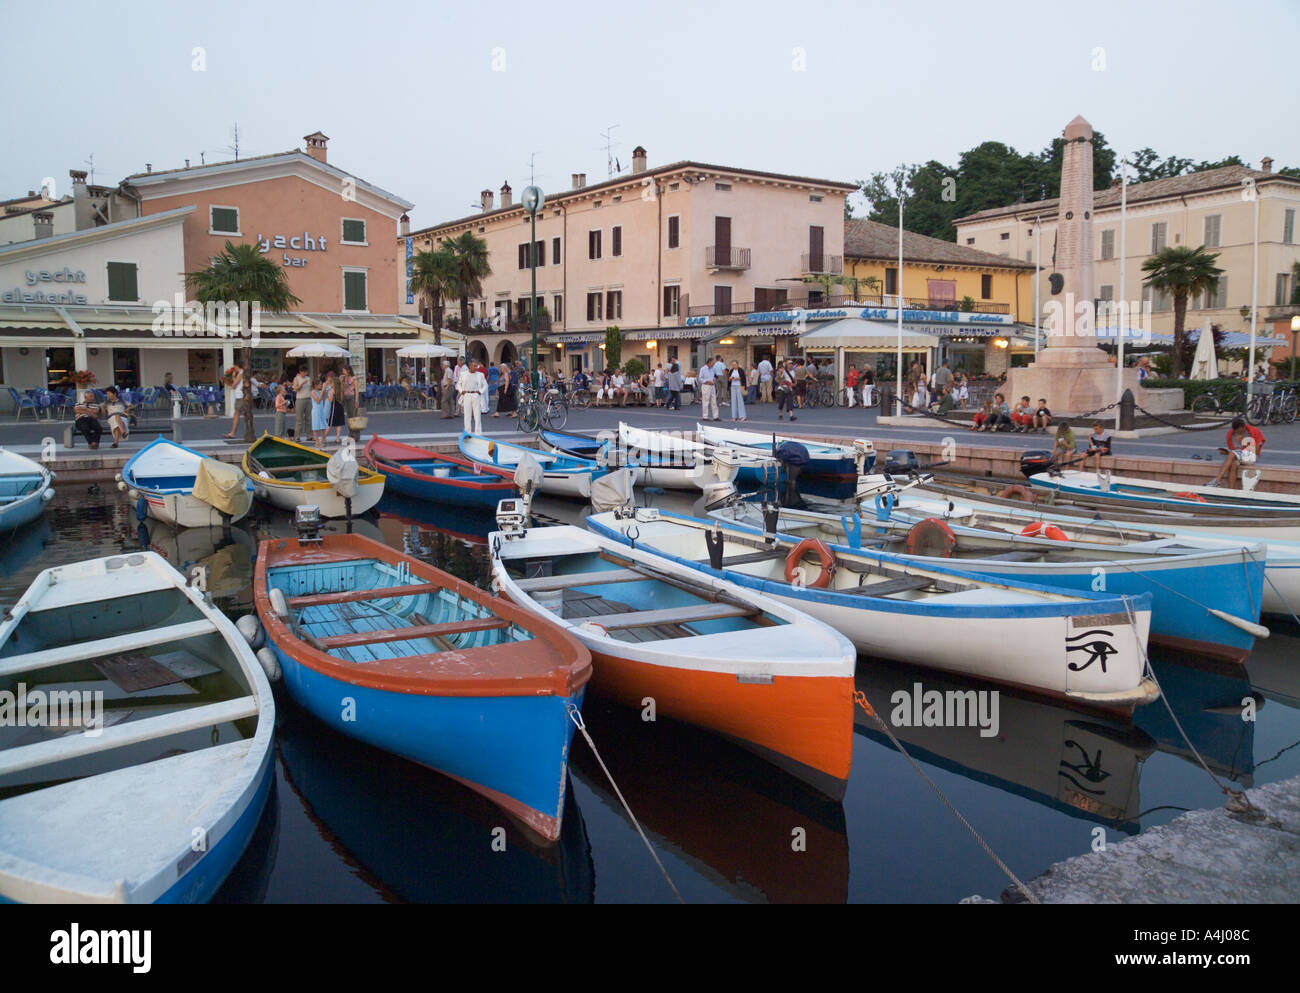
(562, 475)
(1281, 594)
(288, 475)
(1205, 599)
(1088, 488)
(150, 790)
(1035, 637)
(824, 458)
(702, 649)
(402, 656)
(438, 478)
(705, 463)
(25, 488)
(185, 488)
(664, 470)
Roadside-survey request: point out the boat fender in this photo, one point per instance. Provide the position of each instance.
(265, 475)
(118, 477)
(1018, 492)
(824, 553)
(278, 603)
(251, 629)
(270, 664)
(1188, 495)
(931, 538)
(1041, 529)
(48, 495)
(141, 509)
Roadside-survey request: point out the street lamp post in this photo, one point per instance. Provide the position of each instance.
(1123, 288)
(532, 199)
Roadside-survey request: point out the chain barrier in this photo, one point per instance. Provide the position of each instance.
(1214, 426)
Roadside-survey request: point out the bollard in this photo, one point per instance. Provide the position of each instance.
(887, 401)
(1126, 411)
(176, 430)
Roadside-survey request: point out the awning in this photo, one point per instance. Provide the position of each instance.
(856, 334)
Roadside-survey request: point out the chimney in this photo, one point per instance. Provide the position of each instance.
(187, 163)
(148, 167)
(575, 185)
(83, 208)
(638, 160)
(1266, 165)
(44, 221)
(505, 195)
(316, 145)
(485, 199)
(404, 224)
(582, 180)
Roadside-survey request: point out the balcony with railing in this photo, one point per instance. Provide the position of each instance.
(822, 264)
(744, 308)
(725, 257)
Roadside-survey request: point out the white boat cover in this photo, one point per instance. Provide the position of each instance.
(612, 490)
(528, 474)
(342, 475)
(221, 486)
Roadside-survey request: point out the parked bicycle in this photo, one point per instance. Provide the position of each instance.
(1208, 403)
(1278, 407)
(842, 397)
(550, 411)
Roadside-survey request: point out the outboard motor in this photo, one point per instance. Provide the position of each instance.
(793, 457)
(1036, 460)
(901, 461)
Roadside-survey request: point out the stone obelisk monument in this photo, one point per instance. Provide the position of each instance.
(1072, 373)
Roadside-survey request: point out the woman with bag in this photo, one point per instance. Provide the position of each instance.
(784, 392)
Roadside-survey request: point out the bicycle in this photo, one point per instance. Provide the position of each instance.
(550, 411)
(581, 399)
(842, 398)
(1208, 403)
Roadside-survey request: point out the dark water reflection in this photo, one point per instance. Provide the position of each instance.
(347, 823)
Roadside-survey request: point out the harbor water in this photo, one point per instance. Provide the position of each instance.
(348, 823)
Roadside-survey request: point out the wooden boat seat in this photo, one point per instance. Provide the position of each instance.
(354, 596)
(547, 583)
(130, 733)
(888, 586)
(1014, 557)
(284, 470)
(116, 645)
(677, 615)
(764, 556)
(411, 633)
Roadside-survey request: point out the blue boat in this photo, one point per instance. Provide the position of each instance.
(439, 478)
(824, 458)
(185, 488)
(562, 475)
(25, 488)
(666, 469)
(389, 650)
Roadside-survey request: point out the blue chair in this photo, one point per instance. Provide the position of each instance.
(22, 403)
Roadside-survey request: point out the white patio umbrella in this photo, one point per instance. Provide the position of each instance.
(426, 350)
(318, 350)
(1205, 364)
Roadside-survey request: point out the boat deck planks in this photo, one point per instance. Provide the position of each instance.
(546, 584)
(358, 596)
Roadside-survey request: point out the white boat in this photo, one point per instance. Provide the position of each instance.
(185, 488)
(1035, 637)
(144, 778)
(703, 650)
(562, 475)
(288, 475)
(25, 488)
(703, 464)
(824, 458)
(1129, 490)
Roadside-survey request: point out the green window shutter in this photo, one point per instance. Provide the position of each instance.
(122, 286)
(354, 291)
(225, 220)
(354, 231)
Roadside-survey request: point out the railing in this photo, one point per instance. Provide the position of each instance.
(823, 264)
(887, 300)
(489, 325)
(727, 258)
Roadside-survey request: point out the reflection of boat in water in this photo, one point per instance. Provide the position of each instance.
(279, 524)
(227, 555)
(1273, 668)
(19, 547)
(464, 523)
(719, 808)
(250, 880)
(1081, 764)
(422, 837)
(1208, 701)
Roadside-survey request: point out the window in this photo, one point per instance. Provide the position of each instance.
(891, 280)
(122, 282)
(354, 289)
(970, 241)
(986, 286)
(672, 187)
(1108, 244)
(354, 231)
(1288, 227)
(1029, 255)
(557, 308)
(722, 187)
(593, 244)
(1282, 294)
(672, 301)
(721, 300)
(555, 251)
(674, 231)
(1107, 292)
(1005, 236)
(1160, 302)
(1218, 298)
(1159, 236)
(614, 305)
(593, 307)
(223, 220)
(523, 255)
(616, 241)
(540, 248)
(814, 198)
(1212, 226)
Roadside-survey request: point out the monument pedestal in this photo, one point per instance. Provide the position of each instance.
(1073, 381)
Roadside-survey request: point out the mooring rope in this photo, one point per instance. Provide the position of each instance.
(575, 715)
(860, 699)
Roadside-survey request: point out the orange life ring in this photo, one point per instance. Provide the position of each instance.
(1188, 495)
(1041, 529)
(824, 553)
(931, 538)
(1018, 492)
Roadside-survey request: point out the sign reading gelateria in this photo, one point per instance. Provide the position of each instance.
(298, 243)
(37, 278)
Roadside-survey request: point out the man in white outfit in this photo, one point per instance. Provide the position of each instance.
(472, 385)
(765, 380)
(708, 393)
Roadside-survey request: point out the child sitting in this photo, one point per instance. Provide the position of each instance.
(1098, 445)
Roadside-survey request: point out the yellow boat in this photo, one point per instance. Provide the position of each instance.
(289, 475)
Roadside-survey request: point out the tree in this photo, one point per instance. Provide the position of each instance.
(1182, 272)
(433, 275)
(241, 276)
(469, 268)
(613, 346)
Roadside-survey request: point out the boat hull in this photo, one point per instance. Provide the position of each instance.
(25, 488)
(288, 496)
(184, 510)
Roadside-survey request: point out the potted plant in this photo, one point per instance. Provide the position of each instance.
(83, 378)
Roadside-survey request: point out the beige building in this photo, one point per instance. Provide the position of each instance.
(666, 254)
(1212, 208)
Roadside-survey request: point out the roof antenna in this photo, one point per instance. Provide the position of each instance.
(532, 179)
(608, 135)
(91, 162)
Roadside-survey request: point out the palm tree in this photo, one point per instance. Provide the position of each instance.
(1182, 272)
(433, 276)
(470, 265)
(242, 276)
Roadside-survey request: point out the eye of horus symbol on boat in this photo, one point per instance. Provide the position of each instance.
(1098, 650)
(1087, 767)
